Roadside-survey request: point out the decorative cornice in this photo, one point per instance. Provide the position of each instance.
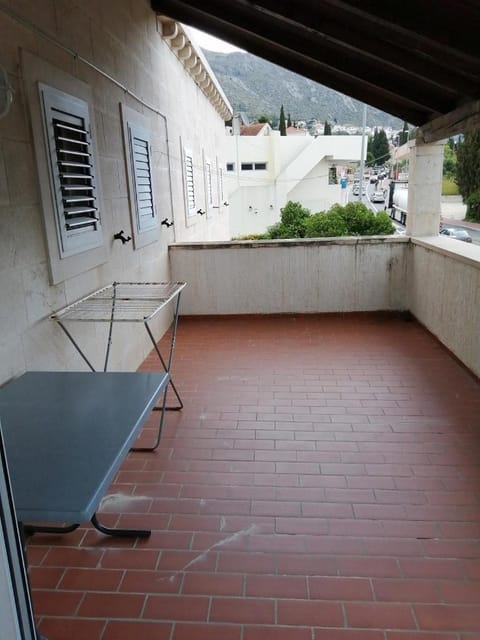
(190, 55)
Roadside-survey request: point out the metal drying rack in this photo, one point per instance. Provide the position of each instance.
(128, 302)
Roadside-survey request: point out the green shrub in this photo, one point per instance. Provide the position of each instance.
(473, 206)
(354, 219)
(382, 225)
(292, 222)
(326, 225)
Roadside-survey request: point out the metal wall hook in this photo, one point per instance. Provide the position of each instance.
(166, 223)
(121, 236)
(201, 212)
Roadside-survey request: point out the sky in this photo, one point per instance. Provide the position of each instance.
(213, 44)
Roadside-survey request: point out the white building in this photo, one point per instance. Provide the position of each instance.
(266, 170)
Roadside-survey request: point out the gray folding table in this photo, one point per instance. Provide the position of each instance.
(66, 435)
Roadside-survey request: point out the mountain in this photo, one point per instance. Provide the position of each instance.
(258, 87)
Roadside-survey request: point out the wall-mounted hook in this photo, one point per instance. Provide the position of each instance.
(121, 236)
(250, 208)
(166, 223)
(201, 212)
(226, 203)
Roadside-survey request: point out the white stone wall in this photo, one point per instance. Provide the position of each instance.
(123, 43)
(293, 276)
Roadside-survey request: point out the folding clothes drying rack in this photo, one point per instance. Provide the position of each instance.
(136, 302)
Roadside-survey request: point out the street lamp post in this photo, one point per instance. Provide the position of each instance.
(362, 153)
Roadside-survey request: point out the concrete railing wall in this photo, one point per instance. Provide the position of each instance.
(436, 279)
(292, 276)
(444, 294)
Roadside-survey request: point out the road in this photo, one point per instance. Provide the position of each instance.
(400, 228)
(456, 224)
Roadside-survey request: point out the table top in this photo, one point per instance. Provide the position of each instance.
(67, 433)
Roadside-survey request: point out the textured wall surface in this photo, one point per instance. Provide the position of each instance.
(122, 57)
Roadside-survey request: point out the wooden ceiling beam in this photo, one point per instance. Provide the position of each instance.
(394, 98)
(462, 120)
(452, 25)
(366, 31)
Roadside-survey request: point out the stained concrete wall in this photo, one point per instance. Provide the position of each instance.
(124, 45)
(444, 294)
(304, 276)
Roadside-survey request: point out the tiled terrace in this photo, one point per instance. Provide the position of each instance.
(321, 483)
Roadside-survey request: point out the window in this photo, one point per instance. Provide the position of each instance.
(138, 135)
(189, 183)
(254, 166)
(139, 140)
(72, 171)
(220, 186)
(332, 175)
(208, 184)
(63, 129)
(230, 166)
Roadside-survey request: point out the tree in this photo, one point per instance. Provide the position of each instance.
(468, 173)
(449, 162)
(403, 135)
(378, 146)
(264, 119)
(327, 128)
(468, 164)
(281, 124)
(289, 121)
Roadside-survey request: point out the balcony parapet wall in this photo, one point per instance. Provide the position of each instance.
(292, 276)
(437, 279)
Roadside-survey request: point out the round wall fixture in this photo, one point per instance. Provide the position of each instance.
(6, 93)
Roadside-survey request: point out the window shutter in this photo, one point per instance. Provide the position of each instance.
(189, 183)
(140, 152)
(72, 171)
(220, 185)
(209, 184)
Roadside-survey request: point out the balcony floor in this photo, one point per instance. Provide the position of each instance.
(321, 483)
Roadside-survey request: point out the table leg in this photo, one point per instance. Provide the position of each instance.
(163, 408)
(30, 529)
(121, 533)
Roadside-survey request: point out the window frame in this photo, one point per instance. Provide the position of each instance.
(36, 71)
(144, 231)
(208, 179)
(76, 240)
(190, 200)
(220, 186)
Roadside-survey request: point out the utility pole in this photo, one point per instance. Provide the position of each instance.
(362, 153)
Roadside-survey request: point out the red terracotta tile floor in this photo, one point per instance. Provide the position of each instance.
(321, 483)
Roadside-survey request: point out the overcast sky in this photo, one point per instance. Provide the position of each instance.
(213, 44)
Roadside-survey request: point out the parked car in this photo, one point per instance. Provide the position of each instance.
(459, 234)
(378, 196)
(356, 190)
